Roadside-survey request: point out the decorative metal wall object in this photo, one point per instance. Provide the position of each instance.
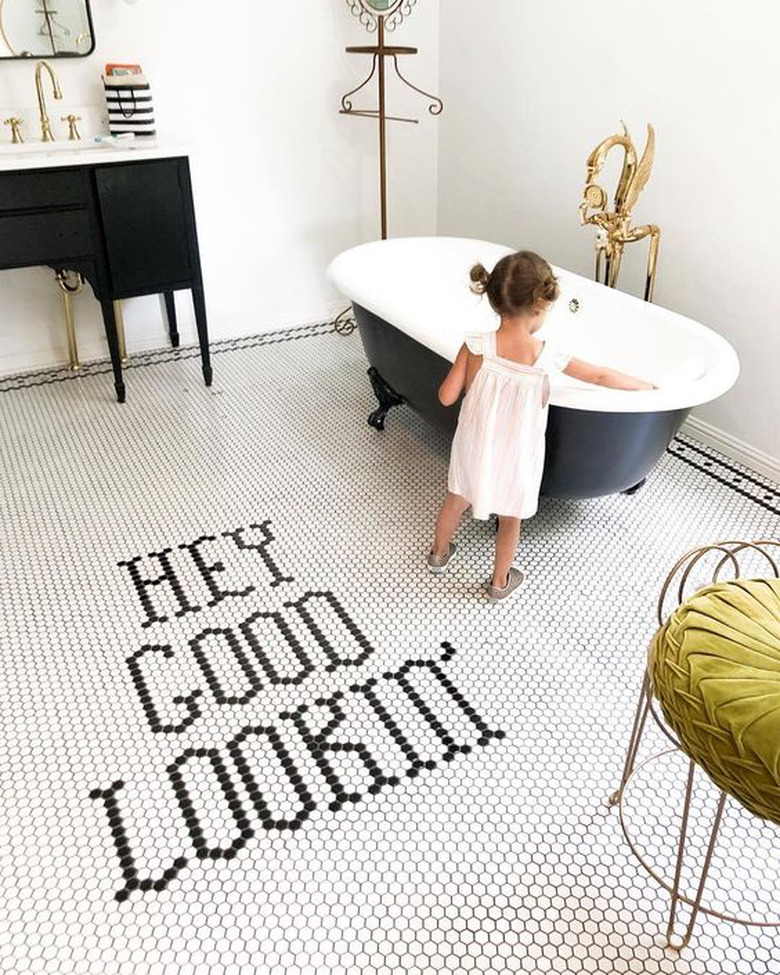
(380, 16)
(614, 225)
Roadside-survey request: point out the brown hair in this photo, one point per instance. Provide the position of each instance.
(519, 282)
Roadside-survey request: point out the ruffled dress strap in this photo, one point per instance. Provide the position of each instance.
(553, 359)
(482, 343)
(474, 342)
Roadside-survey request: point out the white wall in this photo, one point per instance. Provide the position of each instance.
(530, 89)
(282, 181)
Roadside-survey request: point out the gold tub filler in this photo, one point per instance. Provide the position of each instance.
(615, 230)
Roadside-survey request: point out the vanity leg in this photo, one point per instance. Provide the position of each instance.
(109, 322)
(199, 300)
(170, 312)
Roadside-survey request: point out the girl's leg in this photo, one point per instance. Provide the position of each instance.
(449, 518)
(506, 549)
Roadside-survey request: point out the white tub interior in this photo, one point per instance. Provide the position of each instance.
(420, 285)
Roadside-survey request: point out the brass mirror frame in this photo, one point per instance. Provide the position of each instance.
(370, 18)
(389, 10)
(48, 57)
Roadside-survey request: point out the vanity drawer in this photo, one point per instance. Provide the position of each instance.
(44, 238)
(38, 188)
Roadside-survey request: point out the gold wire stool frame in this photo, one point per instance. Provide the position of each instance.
(729, 551)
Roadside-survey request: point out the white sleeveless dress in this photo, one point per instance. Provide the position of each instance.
(498, 451)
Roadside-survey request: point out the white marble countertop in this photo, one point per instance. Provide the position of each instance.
(36, 156)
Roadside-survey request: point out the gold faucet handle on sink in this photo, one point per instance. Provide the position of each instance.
(74, 134)
(16, 135)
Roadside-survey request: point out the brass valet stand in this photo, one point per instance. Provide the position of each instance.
(380, 54)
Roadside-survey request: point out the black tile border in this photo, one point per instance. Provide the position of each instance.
(755, 488)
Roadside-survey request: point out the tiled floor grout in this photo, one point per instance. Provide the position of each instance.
(196, 766)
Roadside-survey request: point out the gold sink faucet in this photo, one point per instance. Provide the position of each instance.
(45, 124)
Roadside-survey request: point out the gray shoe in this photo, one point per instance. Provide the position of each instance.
(438, 563)
(515, 581)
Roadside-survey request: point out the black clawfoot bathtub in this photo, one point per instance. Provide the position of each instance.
(599, 441)
(588, 454)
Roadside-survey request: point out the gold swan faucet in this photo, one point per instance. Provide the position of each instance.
(45, 123)
(615, 230)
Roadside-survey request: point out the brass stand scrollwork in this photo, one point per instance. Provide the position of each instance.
(381, 16)
(615, 230)
(380, 54)
(728, 556)
(390, 12)
(344, 323)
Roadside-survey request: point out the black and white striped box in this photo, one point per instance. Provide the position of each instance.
(130, 105)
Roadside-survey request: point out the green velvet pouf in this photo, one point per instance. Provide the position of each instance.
(715, 668)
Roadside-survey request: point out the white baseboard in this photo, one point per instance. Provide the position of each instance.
(733, 447)
(94, 349)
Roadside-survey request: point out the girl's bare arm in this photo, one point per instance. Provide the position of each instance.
(601, 376)
(455, 381)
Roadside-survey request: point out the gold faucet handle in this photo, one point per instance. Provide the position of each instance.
(16, 135)
(74, 135)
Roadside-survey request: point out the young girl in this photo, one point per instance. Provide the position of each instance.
(498, 450)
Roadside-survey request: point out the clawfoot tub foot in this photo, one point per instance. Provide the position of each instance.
(635, 488)
(387, 397)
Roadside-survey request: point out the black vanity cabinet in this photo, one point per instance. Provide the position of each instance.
(128, 227)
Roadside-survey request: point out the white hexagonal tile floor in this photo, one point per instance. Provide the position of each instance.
(245, 731)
